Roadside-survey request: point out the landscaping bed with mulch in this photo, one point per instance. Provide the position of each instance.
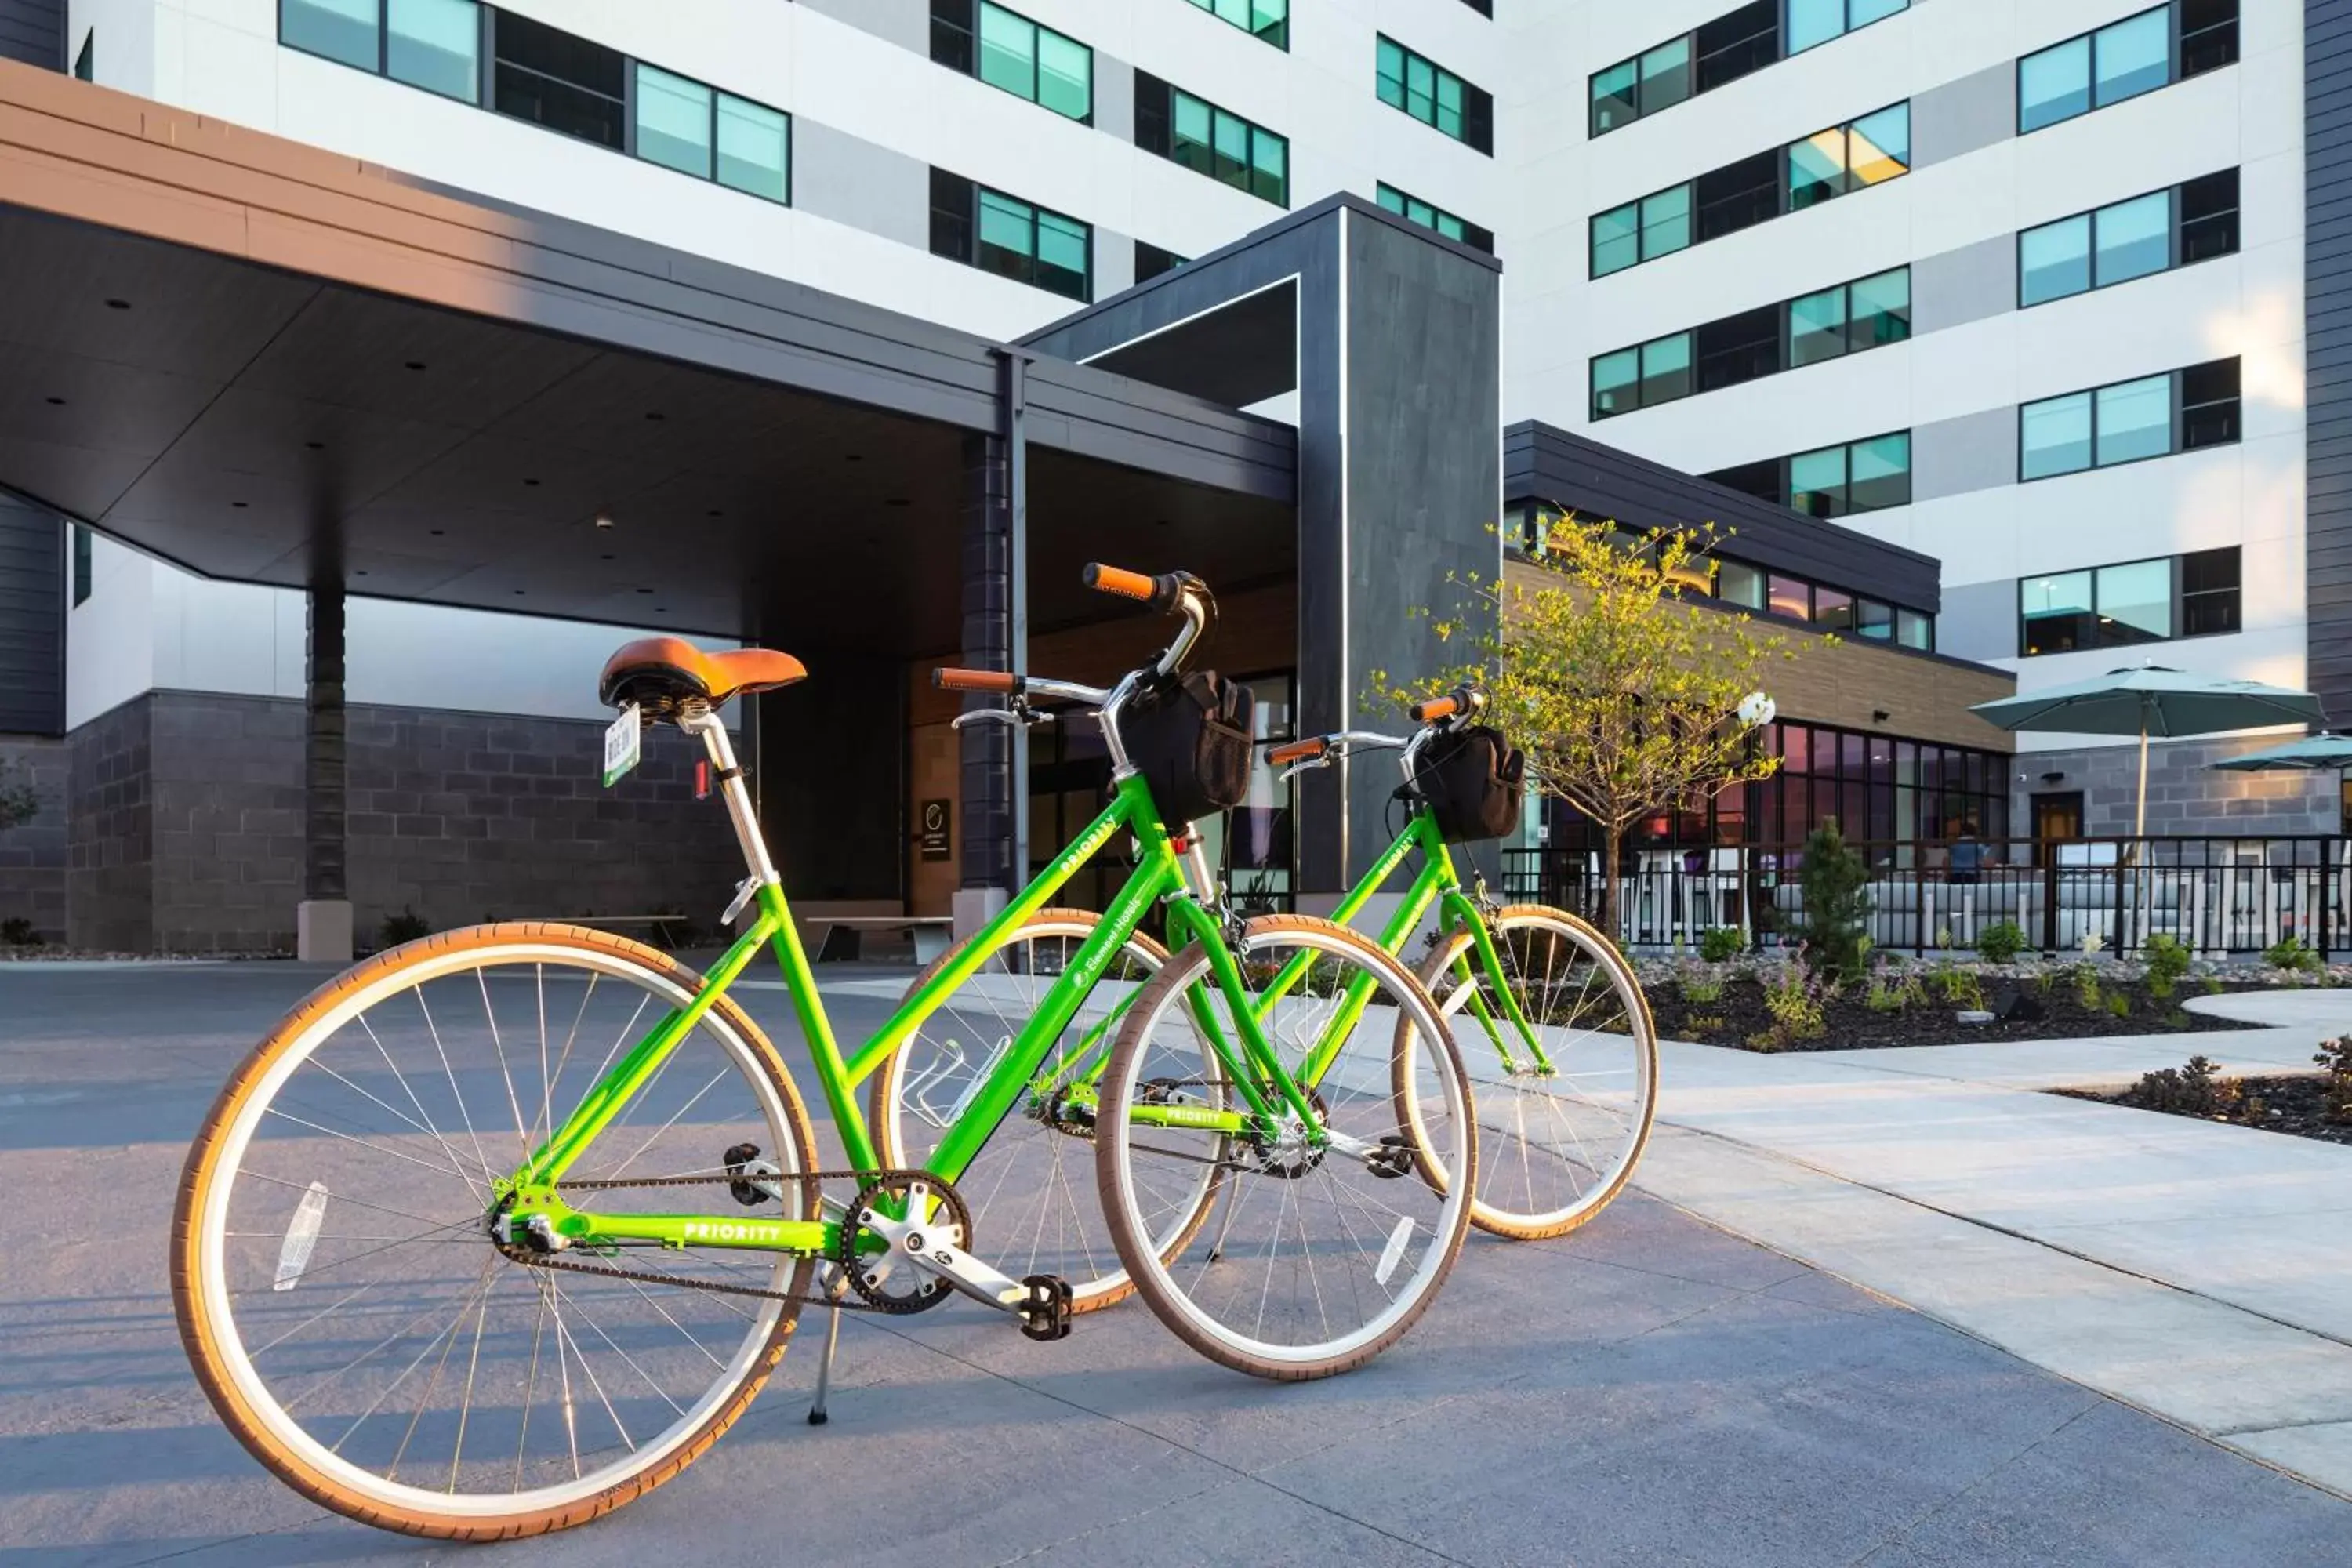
(2303, 1105)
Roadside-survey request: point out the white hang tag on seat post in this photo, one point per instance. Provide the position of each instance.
(622, 739)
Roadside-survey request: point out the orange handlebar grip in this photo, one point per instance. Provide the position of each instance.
(1001, 681)
(1296, 751)
(1436, 708)
(1117, 580)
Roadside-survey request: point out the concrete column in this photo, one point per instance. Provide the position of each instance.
(322, 920)
(986, 750)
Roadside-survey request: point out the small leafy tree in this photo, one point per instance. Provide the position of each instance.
(1836, 903)
(1625, 698)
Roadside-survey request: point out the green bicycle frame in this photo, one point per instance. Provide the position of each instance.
(1254, 1068)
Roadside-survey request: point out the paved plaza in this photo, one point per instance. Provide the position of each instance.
(1653, 1390)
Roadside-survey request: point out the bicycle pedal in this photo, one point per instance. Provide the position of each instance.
(1392, 1159)
(743, 1163)
(1045, 1309)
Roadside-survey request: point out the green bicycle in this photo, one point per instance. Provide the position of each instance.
(1549, 1019)
(421, 1324)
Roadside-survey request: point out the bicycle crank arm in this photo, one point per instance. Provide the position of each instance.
(1041, 1302)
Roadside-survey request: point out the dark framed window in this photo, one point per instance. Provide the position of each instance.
(81, 553)
(1413, 209)
(567, 84)
(1720, 51)
(2125, 422)
(86, 69)
(1813, 23)
(2129, 603)
(1867, 313)
(1150, 261)
(1196, 133)
(433, 44)
(1656, 372)
(1011, 237)
(696, 129)
(2124, 60)
(1433, 95)
(2188, 223)
(1265, 20)
(1764, 185)
(1737, 44)
(1007, 50)
(1853, 476)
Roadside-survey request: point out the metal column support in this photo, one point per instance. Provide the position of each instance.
(1016, 487)
(322, 920)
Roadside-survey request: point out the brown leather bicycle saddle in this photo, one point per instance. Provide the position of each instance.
(659, 673)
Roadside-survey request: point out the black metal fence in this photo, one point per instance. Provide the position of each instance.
(2216, 895)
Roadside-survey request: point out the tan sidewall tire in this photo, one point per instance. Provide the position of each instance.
(1131, 1250)
(1434, 970)
(198, 1331)
(882, 1122)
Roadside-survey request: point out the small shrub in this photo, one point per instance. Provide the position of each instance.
(2086, 988)
(1721, 945)
(1895, 991)
(1944, 938)
(17, 931)
(2336, 1056)
(406, 926)
(2175, 1020)
(2094, 944)
(1961, 988)
(1700, 990)
(2167, 962)
(1836, 903)
(2192, 1090)
(2001, 942)
(1705, 1023)
(1795, 999)
(2289, 955)
(2213, 983)
(2118, 1004)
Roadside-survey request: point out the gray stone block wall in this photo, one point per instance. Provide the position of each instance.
(109, 872)
(185, 824)
(2186, 794)
(33, 854)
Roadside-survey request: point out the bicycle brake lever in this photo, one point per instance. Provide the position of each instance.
(1025, 716)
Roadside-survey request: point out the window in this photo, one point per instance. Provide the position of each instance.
(1150, 261)
(2124, 60)
(2191, 222)
(684, 125)
(1635, 378)
(1266, 19)
(436, 45)
(1833, 163)
(1865, 314)
(1737, 582)
(673, 122)
(1721, 51)
(1007, 50)
(350, 32)
(1913, 629)
(1011, 237)
(2138, 602)
(1210, 141)
(1413, 209)
(2151, 416)
(1641, 231)
(1834, 481)
(86, 69)
(564, 83)
(1846, 158)
(1434, 96)
(755, 145)
(81, 538)
(1790, 596)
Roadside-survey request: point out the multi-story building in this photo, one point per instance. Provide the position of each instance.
(2023, 287)
(2075, 378)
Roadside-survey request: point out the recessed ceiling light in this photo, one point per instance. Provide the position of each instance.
(363, 571)
(603, 558)
(118, 304)
(518, 593)
(897, 500)
(415, 364)
(851, 458)
(654, 416)
(714, 511)
(315, 445)
(530, 484)
(438, 532)
(56, 401)
(238, 504)
(661, 609)
(645, 590)
(603, 520)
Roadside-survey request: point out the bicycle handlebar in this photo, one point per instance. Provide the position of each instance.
(1002, 682)
(1298, 751)
(1461, 699)
(1161, 592)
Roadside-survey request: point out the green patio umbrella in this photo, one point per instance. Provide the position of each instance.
(2151, 701)
(2309, 753)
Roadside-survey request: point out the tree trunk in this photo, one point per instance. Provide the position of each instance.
(1611, 850)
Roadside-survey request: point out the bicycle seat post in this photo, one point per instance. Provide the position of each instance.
(697, 718)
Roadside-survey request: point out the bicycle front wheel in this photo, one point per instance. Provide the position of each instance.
(1323, 1250)
(337, 1285)
(1564, 1108)
(1029, 1213)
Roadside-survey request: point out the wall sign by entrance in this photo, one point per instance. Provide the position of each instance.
(932, 829)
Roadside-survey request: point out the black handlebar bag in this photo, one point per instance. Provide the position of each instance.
(1473, 780)
(1190, 739)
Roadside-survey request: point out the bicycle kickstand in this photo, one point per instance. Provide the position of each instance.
(817, 1416)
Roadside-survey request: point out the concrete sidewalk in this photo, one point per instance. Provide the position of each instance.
(2196, 1270)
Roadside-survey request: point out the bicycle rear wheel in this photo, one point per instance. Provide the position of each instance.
(1032, 1189)
(1560, 1134)
(1319, 1256)
(337, 1287)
